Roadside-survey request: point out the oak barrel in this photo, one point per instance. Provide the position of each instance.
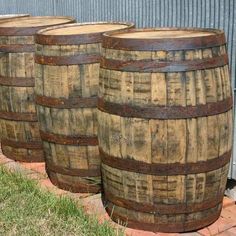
(67, 75)
(19, 131)
(165, 127)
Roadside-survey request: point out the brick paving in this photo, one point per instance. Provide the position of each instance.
(92, 204)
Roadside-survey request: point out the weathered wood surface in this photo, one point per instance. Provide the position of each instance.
(66, 94)
(11, 16)
(19, 131)
(133, 149)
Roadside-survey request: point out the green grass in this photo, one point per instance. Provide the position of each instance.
(25, 209)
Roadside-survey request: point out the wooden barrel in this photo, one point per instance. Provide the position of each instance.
(67, 75)
(20, 138)
(165, 127)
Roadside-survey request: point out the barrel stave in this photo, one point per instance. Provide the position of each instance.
(163, 190)
(67, 78)
(174, 84)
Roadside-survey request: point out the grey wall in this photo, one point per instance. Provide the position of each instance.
(145, 13)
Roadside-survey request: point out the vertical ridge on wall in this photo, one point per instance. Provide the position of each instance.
(145, 13)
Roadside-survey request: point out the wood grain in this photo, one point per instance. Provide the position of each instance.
(165, 141)
(68, 82)
(17, 98)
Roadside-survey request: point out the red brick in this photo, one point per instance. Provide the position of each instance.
(77, 196)
(226, 224)
(38, 166)
(59, 192)
(228, 202)
(232, 231)
(4, 160)
(93, 205)
(134, 232)
(215, 227)
(229, 232)
(46, 183)
(168, 234)
(16, 167)
(221, 225)
(230, 213)
(190, 234)
(105, 217)
(40, 169)
(36, 176)
(204, 232)
(225, 234)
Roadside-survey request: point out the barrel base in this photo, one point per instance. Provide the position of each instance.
(73, 185)
(17, 155)
(168, 227)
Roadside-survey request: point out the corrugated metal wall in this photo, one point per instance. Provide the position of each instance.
(145, 13)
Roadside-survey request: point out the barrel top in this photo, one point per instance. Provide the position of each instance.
(35, 21)
(9, 16)
(163, 34)
(30, 25)
(74, 29)
(78, 33)
(164, 39)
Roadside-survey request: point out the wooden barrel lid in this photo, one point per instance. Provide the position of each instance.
(163, 34)
(78, 33)
(30, 25)
(164, 39)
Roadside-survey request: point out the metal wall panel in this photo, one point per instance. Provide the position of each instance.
(232, 172)
(145, 13)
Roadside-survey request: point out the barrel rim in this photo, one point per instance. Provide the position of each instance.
(10, 16)
(110, 40)
(31, 30)
(76, 39)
